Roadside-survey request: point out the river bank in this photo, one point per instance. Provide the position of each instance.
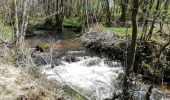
(93, 76)
(16, 84)
(104, 42)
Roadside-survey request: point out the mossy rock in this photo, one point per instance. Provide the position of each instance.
(44, 46)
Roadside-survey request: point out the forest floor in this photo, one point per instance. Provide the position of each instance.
(16, 84)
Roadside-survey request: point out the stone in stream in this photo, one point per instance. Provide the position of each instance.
(38, 48)
(43, 58)
(71, 59)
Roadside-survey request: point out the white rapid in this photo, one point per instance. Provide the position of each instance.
(91, 75)
(95, 77)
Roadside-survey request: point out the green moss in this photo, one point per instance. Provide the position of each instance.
(145, 65)
(45, 46)
(73, 94)
(70, 92)
(72, 22)
(7, 32)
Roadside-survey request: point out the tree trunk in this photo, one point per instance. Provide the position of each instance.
(47, 8)
(59, 16)
(166, 6)
(131, 56)
(16, 27)
(154, 19)
(148, 10)
(108, 15)
(85, 15)
(124, 5)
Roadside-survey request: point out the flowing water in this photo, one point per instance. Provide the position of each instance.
(96, 77)
(90, 75)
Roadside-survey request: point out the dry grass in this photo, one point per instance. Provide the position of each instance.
(24, 81)
(19, 87)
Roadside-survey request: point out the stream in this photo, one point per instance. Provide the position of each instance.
(96, 77)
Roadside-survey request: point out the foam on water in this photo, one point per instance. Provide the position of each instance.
(91, 75)
(97, 78)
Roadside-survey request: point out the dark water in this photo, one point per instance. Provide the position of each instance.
(62, 40)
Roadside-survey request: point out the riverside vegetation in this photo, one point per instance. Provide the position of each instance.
(72, 34)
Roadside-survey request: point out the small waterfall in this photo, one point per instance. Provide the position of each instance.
(97, 78)
(92, 75)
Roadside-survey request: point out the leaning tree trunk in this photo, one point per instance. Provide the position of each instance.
(166, 7)
(131, 56)
(148, 10)
(154, 20)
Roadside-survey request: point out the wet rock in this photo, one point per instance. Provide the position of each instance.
(38, 48)
(41, 58)
(92, 62)
(57, 63)
(71, 59)
(121, 76)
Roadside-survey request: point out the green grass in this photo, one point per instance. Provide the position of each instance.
(168, 15)
(72, 22)
(120, 31)
(70, 92)
(6, 32)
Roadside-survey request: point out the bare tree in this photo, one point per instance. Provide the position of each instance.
(124, 5)
(165, 12)
(131, 56)
(85, 11)
(157, 13)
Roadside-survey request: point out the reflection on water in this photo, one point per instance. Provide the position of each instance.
(165, 86)
(69, 45)
(66, 39)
